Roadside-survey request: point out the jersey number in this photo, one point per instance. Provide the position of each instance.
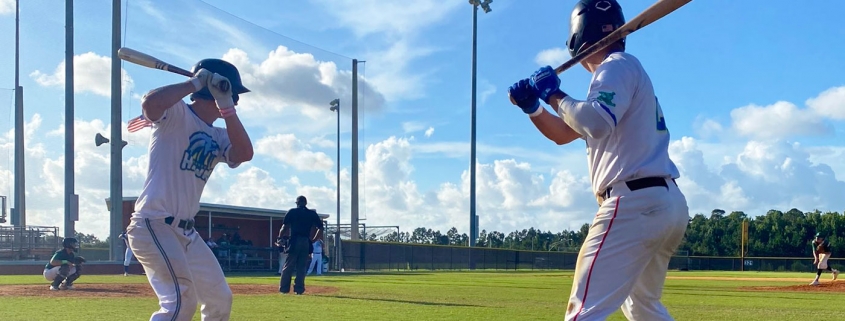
(661, 123)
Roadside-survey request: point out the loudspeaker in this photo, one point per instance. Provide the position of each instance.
(99, 139)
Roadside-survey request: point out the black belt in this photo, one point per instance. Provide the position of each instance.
(183, 224)
(641, 183)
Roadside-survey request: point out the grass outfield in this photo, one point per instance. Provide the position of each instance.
(448, 296)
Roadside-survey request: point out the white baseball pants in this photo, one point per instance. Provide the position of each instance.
(316, 263)
(50, 274)
(182, 271)
(624, 259)
(127, 257)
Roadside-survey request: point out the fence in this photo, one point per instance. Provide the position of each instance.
(375, 256)
(31, 243)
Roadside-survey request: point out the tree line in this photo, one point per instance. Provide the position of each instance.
(774, 234)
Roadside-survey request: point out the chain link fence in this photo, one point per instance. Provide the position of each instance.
(383, 256)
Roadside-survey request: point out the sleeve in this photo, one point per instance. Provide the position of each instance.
(56, 256)
(612, 90)
(172, 117)
(226, 146)
(317, 221)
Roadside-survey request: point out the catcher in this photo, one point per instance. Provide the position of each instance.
(821, 253)
(64, 267)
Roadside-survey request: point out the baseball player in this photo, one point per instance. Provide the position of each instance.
(62, 269)
(127, 255)
(821, 253)
(300, 229)
(316, 258)
(642, 214)
(184, 149)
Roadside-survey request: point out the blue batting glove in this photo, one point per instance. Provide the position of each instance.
(525, 96)
(546, 83)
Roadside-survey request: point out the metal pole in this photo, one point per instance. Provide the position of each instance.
(354, 186)
(116, 217)
(338, 256)
(472, 156)
(69, 153)
(20, 172)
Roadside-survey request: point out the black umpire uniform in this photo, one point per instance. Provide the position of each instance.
(300, 229)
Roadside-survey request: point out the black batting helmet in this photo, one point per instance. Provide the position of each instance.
(70, 243)
(224, 68)
(591, 21)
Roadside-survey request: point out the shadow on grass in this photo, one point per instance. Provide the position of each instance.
(405, 301)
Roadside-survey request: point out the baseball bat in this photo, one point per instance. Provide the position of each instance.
(146, 60)
(651, 14)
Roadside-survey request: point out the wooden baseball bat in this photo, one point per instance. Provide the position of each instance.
(651, 14)
(146, 60)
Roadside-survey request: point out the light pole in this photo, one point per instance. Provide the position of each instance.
(473, 218)
(335, 107)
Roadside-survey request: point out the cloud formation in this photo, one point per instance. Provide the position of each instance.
(91, 73)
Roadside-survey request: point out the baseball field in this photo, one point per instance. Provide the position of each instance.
(485, 296)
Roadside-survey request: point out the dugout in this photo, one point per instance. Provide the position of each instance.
(242, 236)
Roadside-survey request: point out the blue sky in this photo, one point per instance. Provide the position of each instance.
(755, 103)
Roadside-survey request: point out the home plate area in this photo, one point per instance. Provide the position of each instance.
(106, 290)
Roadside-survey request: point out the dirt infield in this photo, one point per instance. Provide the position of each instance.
(836, 286)
(715, 278)
(137, 289)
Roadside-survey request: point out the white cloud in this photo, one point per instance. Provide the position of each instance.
(489, 90)
(552, 57)
(148, 8)
(429, 132)
(412, 126)
(91, 73)
(292, 151)
(7, 7)
(779, 120)
(830, 103)
(393, 27)
(366, 17)
(763, 175)
(286, 85)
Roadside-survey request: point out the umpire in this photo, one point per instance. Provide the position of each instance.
(300, 229)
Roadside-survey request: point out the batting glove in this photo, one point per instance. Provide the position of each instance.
(525, 97)
(201, 78)
(546, 83)
(221, 89)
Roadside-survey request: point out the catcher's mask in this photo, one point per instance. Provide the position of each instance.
(71, 243)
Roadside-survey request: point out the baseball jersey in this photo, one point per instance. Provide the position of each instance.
(825, 246)
(183, 152)
(318, 247)
(58, 256)
(637, 146)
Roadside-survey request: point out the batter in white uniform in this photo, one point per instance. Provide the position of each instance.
(642, 214)
(184, 148)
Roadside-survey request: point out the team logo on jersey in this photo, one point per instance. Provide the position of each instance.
(607, 98)
(200, 155)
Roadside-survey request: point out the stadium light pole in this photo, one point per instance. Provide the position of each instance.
(335, 107)
(473, 218)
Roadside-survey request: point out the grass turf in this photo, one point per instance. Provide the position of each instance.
(449, 296)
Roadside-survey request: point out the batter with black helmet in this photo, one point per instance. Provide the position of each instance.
(642, 213)
(65, 266)
(184, 149)
(301, 228)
